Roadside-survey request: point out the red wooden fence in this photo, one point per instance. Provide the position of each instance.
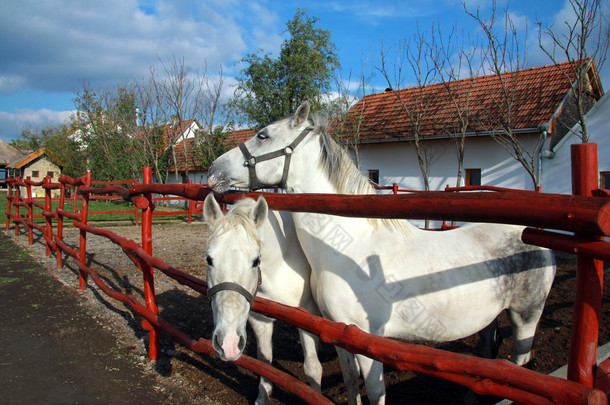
(588, 217)
(192, 207)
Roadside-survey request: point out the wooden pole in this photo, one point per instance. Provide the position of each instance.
(589, 278)
(147, 271)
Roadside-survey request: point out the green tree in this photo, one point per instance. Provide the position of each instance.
(30, 139)
(209, 146)
(270, 89)
(107, 124)
(59, 142)
(67, 150)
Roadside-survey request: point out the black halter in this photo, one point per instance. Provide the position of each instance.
(251, 161)
(231, 286)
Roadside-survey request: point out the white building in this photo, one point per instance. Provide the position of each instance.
(541, 112)
(556, 172)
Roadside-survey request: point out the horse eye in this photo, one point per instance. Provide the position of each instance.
(256, 262)
(209, 260)
(262, 135)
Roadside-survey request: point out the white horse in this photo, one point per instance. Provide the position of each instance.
(387, 276)
(250, 249)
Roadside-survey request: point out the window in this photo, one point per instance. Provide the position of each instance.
(374, 176)
(604, 180)
(35, 173)
(473, 177)
(51, 174)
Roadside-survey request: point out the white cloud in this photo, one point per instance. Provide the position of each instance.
(11, 124)
(11, 83)
(55, 45)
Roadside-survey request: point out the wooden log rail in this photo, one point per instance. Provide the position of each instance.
(143, 259)
(136, 253)
(488, 377)
(551, 211)
(586, 216)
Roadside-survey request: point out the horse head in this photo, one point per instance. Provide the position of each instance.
(234, 274)
(264, 160)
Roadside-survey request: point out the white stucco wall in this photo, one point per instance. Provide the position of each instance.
(196, 177)
(397, 163)
(556, 172)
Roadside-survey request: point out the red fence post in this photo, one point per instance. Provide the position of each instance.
(17, 199)
(28, 188)
(48, 219)
(9, 198)
(147, 271)
(60, 223)
(191, 206)
(136, 212)
(589, 278)
(74, 201)
(82, 249)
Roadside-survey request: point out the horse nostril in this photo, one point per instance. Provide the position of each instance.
(217, 346)
(242, 343)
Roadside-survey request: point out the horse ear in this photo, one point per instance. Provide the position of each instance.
(211, 210)
(300, 115)
(259, 212)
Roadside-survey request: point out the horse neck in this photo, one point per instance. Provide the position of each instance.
(335, 173)
(315, 181)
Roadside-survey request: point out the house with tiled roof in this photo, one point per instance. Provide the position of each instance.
(176, 132)
(189, 163)
(556, 172)
(36, 165)
(8, 155)
(541, 113)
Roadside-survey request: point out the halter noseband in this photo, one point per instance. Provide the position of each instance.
(251, 161)
(231, 286)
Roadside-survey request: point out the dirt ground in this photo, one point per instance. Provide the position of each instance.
(203, 379)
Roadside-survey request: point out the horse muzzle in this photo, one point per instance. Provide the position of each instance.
(229, 346)
(217, 182)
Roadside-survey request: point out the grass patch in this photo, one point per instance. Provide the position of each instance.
(97, 205)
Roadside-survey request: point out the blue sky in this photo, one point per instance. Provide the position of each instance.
(50, 48)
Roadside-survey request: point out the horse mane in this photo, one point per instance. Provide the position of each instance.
(238, 216)
(343, 173)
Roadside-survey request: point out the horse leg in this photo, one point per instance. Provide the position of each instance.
(351, 376)
(488, 348)
(372, 371)
(311, 363)
(491, 340)
(262, 327)
(524, 329)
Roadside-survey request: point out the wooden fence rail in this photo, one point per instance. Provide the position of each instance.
(586, 216)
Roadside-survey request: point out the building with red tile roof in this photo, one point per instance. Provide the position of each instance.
(188, 162)
(540, 96)
(383, 127)
(36, 165)
(556, 172)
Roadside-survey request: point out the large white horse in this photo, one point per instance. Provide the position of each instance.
(387, 276)
(250, 249)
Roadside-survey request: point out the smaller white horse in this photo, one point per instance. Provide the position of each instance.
(254, 250)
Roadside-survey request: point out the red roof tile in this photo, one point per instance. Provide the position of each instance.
(538, 94)
(173, 132)
(241, 136)
(193, 165)
(233, 139)
(32, 156)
